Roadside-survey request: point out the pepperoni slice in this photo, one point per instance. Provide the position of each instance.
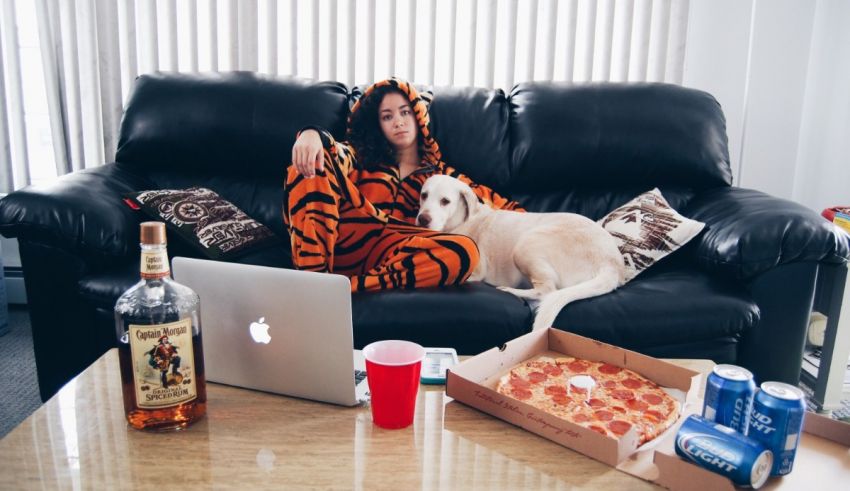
(536, 377)
(581, 418)
(603, 415)
(609, 384)
(609, 369)
(653, 399)
(623, 394)
(619, 427)
(555, 389)
(520, 383)
(561, 399)
(552, 370)
(653, 416)
(618, 409)
(632, 383)
(595, 403)
(636, 405)
(521, 394)
(578, 366)
(578, 390)
(598, 429)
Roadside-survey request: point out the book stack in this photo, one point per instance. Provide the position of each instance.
(839, 215)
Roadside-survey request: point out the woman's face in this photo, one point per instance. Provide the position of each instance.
(397, 121)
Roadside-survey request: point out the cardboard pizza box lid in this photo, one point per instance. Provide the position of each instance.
(473, 382)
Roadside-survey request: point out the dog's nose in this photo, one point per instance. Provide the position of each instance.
(423, 219)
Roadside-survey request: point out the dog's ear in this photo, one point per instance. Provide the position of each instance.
(470, 202)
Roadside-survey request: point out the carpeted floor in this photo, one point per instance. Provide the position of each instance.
(18, 383)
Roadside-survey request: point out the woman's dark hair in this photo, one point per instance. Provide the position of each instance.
(365, 135)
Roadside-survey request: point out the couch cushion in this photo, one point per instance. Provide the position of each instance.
(669, 304)
(470, 318)
(567, 136)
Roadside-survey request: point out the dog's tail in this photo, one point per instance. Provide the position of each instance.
(606, 281)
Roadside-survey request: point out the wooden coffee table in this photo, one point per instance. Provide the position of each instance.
(79, 439)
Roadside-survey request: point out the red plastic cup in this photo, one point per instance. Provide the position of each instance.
(392, 370)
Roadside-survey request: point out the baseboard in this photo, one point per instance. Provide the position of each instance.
(16, 293)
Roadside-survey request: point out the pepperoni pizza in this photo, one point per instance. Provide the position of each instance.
(618, 400)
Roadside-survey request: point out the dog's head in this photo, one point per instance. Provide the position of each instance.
(445, 203)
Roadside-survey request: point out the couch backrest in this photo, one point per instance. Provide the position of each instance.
(554, 146)
(224, 123)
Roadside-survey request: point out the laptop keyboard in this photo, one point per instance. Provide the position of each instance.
(359, 375)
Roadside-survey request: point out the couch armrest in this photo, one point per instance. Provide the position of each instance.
(749, 232)
(81, 212)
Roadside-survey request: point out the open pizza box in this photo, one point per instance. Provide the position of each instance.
(473, 382)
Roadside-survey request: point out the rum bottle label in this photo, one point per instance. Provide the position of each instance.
(163, 363)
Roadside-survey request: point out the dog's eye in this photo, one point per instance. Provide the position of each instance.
(444, 201)
(424, 195)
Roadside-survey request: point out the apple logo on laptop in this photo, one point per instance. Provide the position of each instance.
(260, 331)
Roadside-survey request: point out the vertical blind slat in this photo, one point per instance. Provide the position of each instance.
(510, 55)
(391, 37)
(192, 20)
(589, 24)
(352, 40)
(370, 40)
(332, 40)
(315, 37)
(107, 65)
(50, 65)
(148, 35)
(490, 45)
(605, 32)
(293, 37)
(549, 47)
(658, 36)
(473, 34)
(676, 42)
(531, 48)
(247, 35)
(571, 30)
(452, 38)
(640, 40)
(231, 21)
(71, 71)
(411, 41)
(7, 180)
(620, 50)
(432, 42)
(127, 44)
(89, 84)
(213, 39)
(171, 40)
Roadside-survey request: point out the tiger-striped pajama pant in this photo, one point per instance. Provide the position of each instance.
(333, 228)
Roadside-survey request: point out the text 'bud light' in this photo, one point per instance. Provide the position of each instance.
(777, 420)
(725, 451)
(729, 394)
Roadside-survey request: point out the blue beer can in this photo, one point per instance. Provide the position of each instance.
(723, 450)
(777, 421)
(729, 394)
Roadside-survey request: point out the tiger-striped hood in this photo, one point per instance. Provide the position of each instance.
(419, 102)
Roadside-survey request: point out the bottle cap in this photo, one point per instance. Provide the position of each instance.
(152, 233)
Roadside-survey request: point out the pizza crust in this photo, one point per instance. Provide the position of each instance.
(621, 398)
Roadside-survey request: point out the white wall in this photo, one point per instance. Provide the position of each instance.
(781, 71)
(822, 175)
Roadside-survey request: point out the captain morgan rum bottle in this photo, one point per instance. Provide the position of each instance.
(159, 343)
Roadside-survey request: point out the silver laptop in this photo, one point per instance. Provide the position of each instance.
(277, 330)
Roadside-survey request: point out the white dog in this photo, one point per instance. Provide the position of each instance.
(563, 256)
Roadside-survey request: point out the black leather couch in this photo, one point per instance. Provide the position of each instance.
(740, 292)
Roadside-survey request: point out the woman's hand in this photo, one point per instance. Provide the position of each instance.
(307, 153)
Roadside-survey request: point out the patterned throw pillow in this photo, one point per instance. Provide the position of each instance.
(212, 224)
(648, 229)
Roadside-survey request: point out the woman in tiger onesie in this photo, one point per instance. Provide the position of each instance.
(351, 206)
